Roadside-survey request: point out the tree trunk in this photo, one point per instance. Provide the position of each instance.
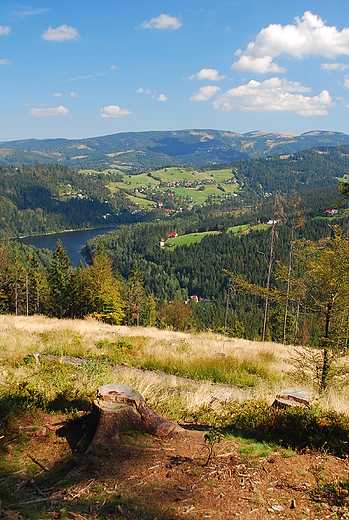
(269, 270)
(326, 362)
(288, 284)
(119, 408)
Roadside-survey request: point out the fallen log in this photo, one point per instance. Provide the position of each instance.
(119, 408)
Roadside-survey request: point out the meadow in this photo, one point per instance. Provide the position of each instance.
(190, 238)
(221, 388)
(187, 183)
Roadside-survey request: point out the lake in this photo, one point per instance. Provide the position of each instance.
(73, 241)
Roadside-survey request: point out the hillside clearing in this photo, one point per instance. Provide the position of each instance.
(45, 403)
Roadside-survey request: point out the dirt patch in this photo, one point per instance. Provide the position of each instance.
(144, 477)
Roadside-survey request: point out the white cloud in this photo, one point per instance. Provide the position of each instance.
(211, 74)
(4, 29)
(57, 94)
(260, 65)
(162, 98)
(334, 66)
(148, 91)
(49, 111)
(24, 12)
(164, 21)
(140, 90)
(4, 61)
(61, 33)
(273, 95)
(346, 81)
(308, 35)
(114, 111)
(73, 94)
(205, 93)
(113, 67)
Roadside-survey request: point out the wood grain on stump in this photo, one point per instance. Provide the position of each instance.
(119, 408)
(292, 397)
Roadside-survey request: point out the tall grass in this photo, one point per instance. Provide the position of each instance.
(250, 368)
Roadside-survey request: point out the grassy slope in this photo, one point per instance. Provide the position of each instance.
(169, 175)
(191, 238)
(44, 413)
(251, 367)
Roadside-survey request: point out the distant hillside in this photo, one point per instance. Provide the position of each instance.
(137, 151)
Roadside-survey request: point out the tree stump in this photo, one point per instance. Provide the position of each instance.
(292, 397)
(119, 408)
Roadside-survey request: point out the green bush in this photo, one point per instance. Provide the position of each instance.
(296, 428)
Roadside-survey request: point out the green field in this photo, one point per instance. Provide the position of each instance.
(261, 227)
(245, 228)
(221, 175)
(192, 238)
(141, 201)
(238, 229)
(150, 183)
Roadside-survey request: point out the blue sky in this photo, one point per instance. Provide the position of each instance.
(84, 68)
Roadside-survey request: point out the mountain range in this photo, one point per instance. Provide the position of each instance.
(138, 151)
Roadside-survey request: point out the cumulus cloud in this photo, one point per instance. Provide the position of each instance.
(211, 74)
(4, 29)
(273, 95)
(308, 35)
(346, 81)
(205, 93)
(148, 91)
(260, 65)
(49, 111)
(164, 21)
(4, 61)
(113, 67)
(334, 66)
(114, 111)
(73, 94)
(57, 94)
(60, 34)
(140, 90)
(162, 98)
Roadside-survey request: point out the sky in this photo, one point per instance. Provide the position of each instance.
(82, 68)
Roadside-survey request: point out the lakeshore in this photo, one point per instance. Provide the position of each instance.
(72, 240)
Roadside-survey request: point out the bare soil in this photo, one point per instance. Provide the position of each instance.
(142, 477)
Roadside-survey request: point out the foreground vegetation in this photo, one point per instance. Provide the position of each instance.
(50, 370)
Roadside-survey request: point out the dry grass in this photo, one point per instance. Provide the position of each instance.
(20, 336)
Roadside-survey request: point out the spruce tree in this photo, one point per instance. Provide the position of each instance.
(60, 282)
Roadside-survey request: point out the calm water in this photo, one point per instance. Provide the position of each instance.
(73, 241)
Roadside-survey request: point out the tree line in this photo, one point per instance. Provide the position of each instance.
(129, 279)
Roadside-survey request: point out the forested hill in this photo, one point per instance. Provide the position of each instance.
(136, 151)
(302, 170)
(40, 199)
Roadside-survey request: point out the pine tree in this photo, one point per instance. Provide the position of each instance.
(60, 282)
(104, 289)
(79, 296)
(325, 285)
(38, 284)
(135, 296)
(6, 274)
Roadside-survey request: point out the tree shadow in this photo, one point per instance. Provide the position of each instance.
(99, 482)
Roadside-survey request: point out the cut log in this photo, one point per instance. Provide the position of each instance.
(119, 408)
(292, 397)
